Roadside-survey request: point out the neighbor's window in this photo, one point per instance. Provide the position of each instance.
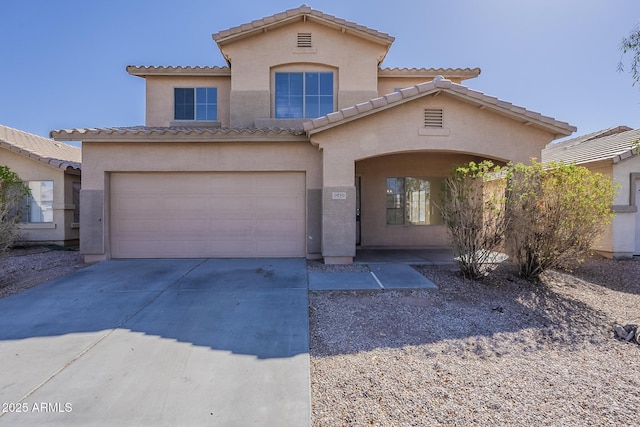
(410, 201)
(303, 95)
(195, 103)
(38, 206)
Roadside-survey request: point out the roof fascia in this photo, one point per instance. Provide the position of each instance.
(78, 135)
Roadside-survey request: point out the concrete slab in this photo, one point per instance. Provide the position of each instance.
(342, 281)
(400, 276)
(425, 256)
(160, 342)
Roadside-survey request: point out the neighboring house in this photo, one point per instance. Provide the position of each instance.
(51, 169)
(611, 152)
(303, 146)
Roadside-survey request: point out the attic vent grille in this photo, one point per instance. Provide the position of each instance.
(304, 40)
(433, 118)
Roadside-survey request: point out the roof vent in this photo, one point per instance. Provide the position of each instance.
(304, 40)
(433, 118)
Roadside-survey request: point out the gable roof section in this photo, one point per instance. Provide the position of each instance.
(45, 150)
(613, 144)
(439, 84)
(303, 12)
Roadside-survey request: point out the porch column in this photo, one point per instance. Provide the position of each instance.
(338, 209)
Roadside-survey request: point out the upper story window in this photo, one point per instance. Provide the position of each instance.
(196, 103)
(38, 204)
(303, 95)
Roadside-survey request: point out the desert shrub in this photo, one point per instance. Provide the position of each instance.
(12, 192)
(473, 210)
(555, 212)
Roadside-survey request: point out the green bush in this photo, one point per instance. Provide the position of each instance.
(12, 192)
(556, 212)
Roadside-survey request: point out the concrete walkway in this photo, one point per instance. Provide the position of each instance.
(380, 276)
(159, 342)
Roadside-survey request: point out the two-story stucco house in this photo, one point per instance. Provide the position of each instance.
(302, 146)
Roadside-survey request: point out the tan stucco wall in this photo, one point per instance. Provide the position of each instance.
(160, 105)
(61, 230)
(374, 171)
(99, 160)
(253, 60)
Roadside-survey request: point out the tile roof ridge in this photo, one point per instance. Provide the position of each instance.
(291, 13)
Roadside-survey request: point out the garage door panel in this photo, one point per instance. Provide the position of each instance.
(162, 215)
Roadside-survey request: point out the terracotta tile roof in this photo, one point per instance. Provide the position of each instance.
(143, 71)
(45, 150)
(439, 84)
(292, 14)
(185, 132)
(615, 144)
(464, 73)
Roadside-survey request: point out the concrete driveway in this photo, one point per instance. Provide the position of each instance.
(159, 342)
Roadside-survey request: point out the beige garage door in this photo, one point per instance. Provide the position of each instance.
(204, 215)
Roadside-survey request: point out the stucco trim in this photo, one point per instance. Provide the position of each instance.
(437, 86)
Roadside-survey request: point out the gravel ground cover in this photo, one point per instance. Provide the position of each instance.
(25, 267)
(500, 352)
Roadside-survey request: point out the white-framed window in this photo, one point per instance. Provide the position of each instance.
(410, 201)
(195, 103)
(38, 204)
(307, 94)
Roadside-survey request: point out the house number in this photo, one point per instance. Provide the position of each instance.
(339, 195)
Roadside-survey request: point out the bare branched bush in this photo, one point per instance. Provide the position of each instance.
(473, 210)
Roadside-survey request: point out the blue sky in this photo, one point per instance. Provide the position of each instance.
(63, 62)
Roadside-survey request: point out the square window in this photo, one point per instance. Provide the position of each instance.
(303, 95)
(199, 103)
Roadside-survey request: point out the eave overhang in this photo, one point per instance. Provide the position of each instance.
(180, 134)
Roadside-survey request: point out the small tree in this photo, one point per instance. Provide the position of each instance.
(473, 210)
(631, 44)
(555, 214)
(12, 192)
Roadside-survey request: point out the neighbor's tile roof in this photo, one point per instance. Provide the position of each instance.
(438, 84)
(292, 14)
(614, 144)
(45, 150)
(199, 133)
(143, 71)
